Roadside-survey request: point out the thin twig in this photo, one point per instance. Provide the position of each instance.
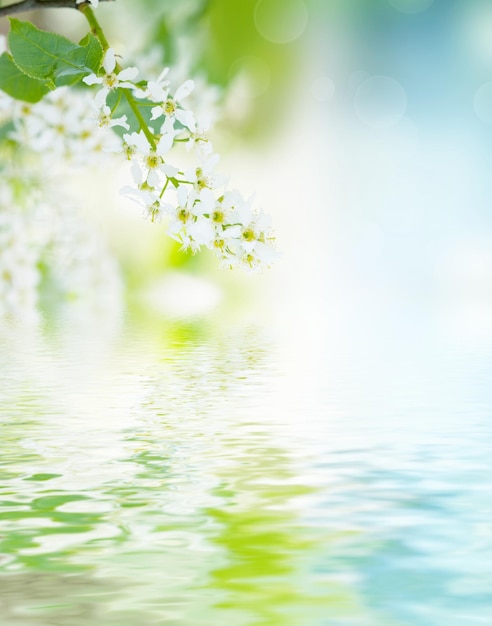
(32, 5)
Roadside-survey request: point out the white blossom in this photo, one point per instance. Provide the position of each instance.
(202, 175)
(199, 212)
(111, 79)
(148, 160)
(171, 107)
(104, 118)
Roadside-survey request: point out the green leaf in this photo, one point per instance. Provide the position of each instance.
(50, 57)
(94, 51)
(17, 84)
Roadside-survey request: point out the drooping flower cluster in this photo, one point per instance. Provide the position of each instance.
(46, 247)
(172, 162)
(199, 210)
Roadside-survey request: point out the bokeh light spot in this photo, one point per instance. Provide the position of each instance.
(482, 103)
(380, 102)
(281, 21)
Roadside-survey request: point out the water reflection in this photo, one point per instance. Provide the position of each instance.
(175, 477)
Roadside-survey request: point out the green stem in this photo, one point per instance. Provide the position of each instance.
(96, 29)
(117, 103)
(143, 124)
(165, 187)
(98, 32)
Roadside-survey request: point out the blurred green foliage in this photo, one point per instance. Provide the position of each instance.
(222, 39)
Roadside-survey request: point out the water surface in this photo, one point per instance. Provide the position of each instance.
(195, 475)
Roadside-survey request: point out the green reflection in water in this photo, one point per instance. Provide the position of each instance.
(269, 551)
(204, 511)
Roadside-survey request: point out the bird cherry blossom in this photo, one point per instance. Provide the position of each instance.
(111, 80)
(171, 107)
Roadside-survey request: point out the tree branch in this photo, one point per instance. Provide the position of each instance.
(31, 5)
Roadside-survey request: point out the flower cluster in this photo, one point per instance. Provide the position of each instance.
(200, 211)
(19, 275)
(172, 161)
(47, 247)
(65, 126)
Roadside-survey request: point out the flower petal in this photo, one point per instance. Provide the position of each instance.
(128, 74)
(202, 232)
(156, 112)
(155, 92)
(184, 90)
(137, 173)
(139, 140)
(182, 195)
(165, 144)
(153, 178)
(207, 199)
(186, 118)
(169, 170)
(210, 163)
(100, 97)
(120, 121)
(109, 62)
(92, 79)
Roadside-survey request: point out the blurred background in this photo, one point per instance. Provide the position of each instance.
(362, 127)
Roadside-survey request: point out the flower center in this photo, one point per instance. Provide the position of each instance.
(110, 80)
(169, 107)
(104, 120)
(153, 161)
(248, 235)
(154, 210)
(129, 151)
(183, 215)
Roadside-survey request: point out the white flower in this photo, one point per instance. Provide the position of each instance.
(181, 215)
(151, 157)
(242, 236)
(111, 80)
(172, 108)
(203, 176)
(255, 231)
(201, 233)
(199, 140)
(147, 198)
(156, 90)
(59, 128)
(259, 258)
(201, 230)
(104, 119)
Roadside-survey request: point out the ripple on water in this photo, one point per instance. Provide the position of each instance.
(182, 481)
